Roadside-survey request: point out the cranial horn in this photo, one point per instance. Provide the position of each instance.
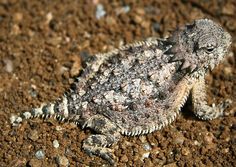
(185, 65)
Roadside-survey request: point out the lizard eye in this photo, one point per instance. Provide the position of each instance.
(207, 42)
(210, 48)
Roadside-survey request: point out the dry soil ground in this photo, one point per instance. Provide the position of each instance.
(41, 43)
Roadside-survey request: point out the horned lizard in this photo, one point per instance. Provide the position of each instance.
(141, 87)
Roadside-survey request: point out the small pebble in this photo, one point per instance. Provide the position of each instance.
(171, 165)
(76, 67)
(124, 158)
(49, 17)
(40, 154)
(140, 11)
(33, 92)
(147, 147)
(145, 155)
(143, 139)
(208, 138)
(59, 128)
(179, 139)
(54, 41)
(196, 143)
(100, 12)
(18, 17)
(35, 163)
(124, 9)
(55, 143)
(138, 19)
(228, 9)
(110, 20)
(16, 29)
(228, 71)
(8, 65)
(233, 126)
(225, 150)
(33, 135)
(185, 151)
(62, 161)
(156, 26)
(209, 141)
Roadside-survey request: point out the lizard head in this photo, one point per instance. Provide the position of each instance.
(200, 46)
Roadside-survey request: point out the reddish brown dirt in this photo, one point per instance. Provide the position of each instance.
(40, 45)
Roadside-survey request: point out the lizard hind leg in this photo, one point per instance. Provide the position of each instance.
(98, 144)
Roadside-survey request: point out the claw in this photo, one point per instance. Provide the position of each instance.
(98, 145)
(104, 153)
(224, 105)
(109, 157)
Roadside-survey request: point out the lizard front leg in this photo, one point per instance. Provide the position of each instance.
(201, 109)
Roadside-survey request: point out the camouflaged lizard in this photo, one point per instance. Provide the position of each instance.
(141, 87)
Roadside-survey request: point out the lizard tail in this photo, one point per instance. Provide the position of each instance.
(58, 110)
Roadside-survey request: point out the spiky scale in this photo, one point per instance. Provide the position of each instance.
(141, 87)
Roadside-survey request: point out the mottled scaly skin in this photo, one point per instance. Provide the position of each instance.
(141, 87)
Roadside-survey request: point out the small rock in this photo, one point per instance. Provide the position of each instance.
(185, 151)
(196, 143)
(33, 135)
(110, 20)
(8, 65)
(227, 139)
(124, 158)
(49, 17)
(1, 18)
(156, 26)
(17, 162)
(124, 9)
(228, 9)
(55, 143)
(147, 147)
(231, 25)
(62, 161)
(171, 165)
(59, 128)
(63, 69)
(140, 11)
(179, 139)
(15, 120)
(209, 141)
(208, 138)
(143, 139)
(225, 150)
(54, 41)
(33, 92)
(76, 67)
(18, 17)
(228, 71)
(35, 163)
(138, 19)
(233, 126)
(145, 155)
(100, 12)
(15, 29)
(40, 154)
(145, 24)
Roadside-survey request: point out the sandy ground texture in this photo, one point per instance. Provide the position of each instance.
(40, 47)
